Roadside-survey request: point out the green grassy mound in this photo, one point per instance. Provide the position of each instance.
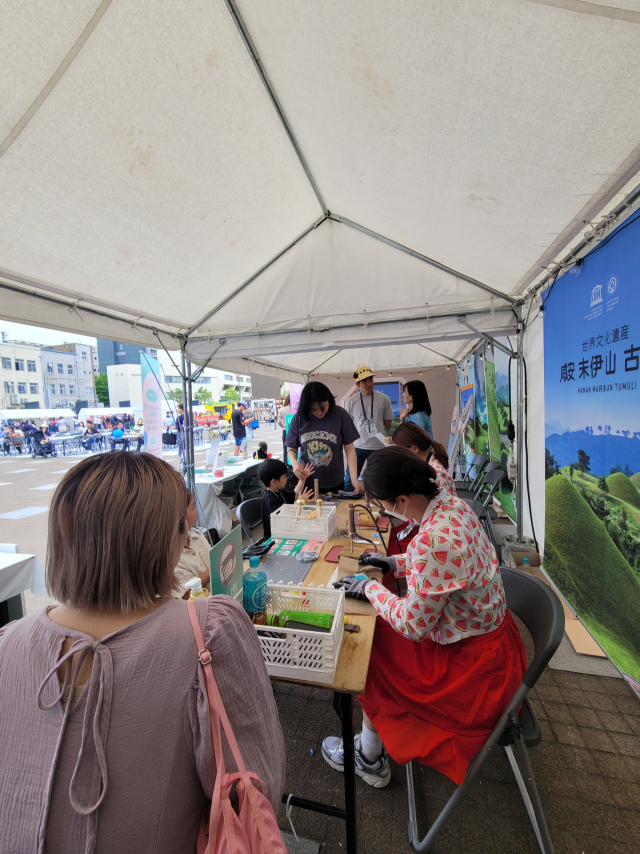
(588, 569)
(635, 480)
(621, 487)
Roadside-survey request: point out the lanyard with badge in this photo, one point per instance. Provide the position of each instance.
(369, 424)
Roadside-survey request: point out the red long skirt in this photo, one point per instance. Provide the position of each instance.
(437, 703)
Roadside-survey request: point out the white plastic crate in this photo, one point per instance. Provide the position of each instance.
(286, 524)
(298, 654)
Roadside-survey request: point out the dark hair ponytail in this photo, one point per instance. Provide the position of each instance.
(409, 434)
(395, 471)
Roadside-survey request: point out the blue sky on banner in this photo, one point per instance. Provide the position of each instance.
(592, 340)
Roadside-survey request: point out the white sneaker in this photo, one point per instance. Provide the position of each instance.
(376, 773)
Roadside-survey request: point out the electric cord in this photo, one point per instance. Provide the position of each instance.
(375, 522)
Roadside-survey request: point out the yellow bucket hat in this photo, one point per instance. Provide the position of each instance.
(362, 372)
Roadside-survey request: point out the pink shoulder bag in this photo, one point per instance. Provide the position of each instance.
(253, 829)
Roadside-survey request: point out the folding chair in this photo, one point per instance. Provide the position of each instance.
(483, 499)
(465, 494)
(536, 604)
(249, 514)
(250, 486)
(479, 462)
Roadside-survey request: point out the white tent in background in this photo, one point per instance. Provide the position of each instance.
(269, 185)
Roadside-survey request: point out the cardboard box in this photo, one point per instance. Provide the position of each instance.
(516, 558)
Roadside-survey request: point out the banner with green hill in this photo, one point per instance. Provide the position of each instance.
(592, 439)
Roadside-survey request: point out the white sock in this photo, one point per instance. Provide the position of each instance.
(370, 744)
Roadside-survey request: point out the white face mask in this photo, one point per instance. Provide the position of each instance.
(396, 515)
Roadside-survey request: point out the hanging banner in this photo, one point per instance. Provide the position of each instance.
(482, 422)
(592, 428)
(500, 445)
(467, 405)
(151, 404)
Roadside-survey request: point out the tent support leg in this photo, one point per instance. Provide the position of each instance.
(520, 431)
(188, 455)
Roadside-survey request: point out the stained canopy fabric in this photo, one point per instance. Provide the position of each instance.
(149, 177)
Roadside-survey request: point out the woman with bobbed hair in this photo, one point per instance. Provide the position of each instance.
(448, 657)
(321, 430)
(420, 443)
(418, 406)
(104, 722)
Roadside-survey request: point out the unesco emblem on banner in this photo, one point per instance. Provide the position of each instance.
(612, 284)
(596, 295)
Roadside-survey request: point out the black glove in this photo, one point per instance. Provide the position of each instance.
(353, 587)
(386, 564)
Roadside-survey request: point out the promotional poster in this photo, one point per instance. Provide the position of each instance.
(151, 404)
(480, 392)
(592, 430)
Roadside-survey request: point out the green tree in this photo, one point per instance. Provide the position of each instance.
(623, 520)
(231, 394)
(572, 468)
(175, 394)
(102, 389)
(584, 461)
(603, 486)
(550, 465)
(204, 396)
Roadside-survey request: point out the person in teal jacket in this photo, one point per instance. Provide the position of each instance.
(418, 408)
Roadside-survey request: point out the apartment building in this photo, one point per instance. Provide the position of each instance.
(21, 382)
(67, 370)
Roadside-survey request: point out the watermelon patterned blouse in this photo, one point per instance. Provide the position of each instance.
(443, 478)
(454, 588)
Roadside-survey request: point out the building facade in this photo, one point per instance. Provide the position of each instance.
(67, 371)
(119, 353)
(21, 380)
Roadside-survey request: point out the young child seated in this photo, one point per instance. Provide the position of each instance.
(273, 474)
(194, 560)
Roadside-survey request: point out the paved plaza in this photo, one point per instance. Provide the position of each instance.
(587, 767)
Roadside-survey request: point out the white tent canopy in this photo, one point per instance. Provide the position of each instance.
(31, 414)
(155, 159)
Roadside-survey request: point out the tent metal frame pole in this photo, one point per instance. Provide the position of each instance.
(463, 319)
(187, 426)
(282, 333)
(395, 245)
(520, 463)
(248, 41)
(254, 276)
(582, 248)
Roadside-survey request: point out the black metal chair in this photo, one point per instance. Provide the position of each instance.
(539, 608)
(483, 498)
(250, 485)
(478, 462)
(249, 514)
(466, 494)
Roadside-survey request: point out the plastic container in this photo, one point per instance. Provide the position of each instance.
(298, 653)
(254, 591)
(194, 585)
(286, 524)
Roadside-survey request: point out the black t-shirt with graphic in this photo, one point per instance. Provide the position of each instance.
(321, 441)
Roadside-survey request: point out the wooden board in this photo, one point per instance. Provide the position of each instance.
(581, 640)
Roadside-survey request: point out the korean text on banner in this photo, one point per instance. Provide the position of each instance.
(151, 404)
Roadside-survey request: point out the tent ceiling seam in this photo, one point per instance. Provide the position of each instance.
(254, 276)
(55, 78)
(487, 337)
(584, 8)
(73, 305)
(11, 278)
(425, 258)
(586, 214)
(316, 369)
(248, 41)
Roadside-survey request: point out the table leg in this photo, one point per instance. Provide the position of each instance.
(343, 704)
